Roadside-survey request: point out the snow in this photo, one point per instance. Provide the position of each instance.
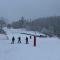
(3, 37)
(46, 48)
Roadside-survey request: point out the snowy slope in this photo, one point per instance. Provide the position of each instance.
(46, 48)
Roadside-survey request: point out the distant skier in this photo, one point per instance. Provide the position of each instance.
(13, 39)
(26, 40)
(30, 36)
(19, 39)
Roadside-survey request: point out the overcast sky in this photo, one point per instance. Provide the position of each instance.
(13, 9)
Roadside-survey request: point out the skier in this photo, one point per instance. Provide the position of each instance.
(26, 40)
(13, 39)
(30, 36)
(19, 39)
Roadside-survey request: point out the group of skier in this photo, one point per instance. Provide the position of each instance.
(19, 40)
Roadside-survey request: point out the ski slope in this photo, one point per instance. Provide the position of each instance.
(46, 48)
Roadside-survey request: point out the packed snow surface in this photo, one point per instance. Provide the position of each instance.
(46, 48)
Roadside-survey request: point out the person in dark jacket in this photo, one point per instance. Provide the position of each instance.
(13, 39)
(26, 40)
(19, 39)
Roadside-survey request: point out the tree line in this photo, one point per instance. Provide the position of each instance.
(48, 25)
